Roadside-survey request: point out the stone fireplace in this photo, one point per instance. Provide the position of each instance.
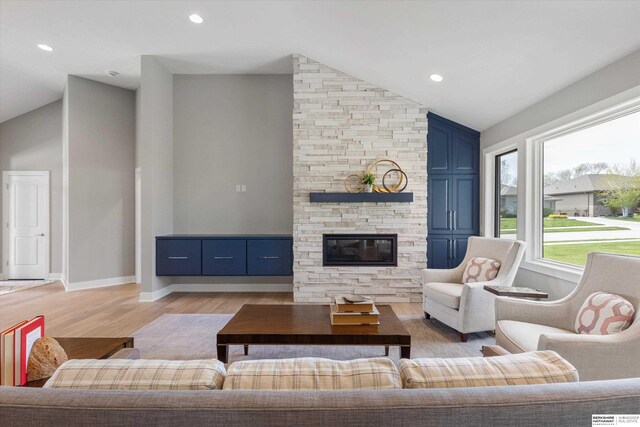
(340, 125)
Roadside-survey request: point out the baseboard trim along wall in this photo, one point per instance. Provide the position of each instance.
(218, 287)
(101, 283)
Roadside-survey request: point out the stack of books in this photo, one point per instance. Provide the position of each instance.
(354, 310)
(15, 347)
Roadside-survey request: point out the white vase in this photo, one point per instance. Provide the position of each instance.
(368, 188)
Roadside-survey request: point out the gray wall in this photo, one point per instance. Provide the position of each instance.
(155, 152)
(229, 130)
(101, 164)
(33, 141)
(618, 82)
(615, 78)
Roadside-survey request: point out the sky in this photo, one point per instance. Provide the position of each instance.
(613, 142)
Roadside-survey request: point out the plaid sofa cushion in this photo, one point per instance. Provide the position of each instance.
(124, 374)
(310, 373)
(537, 367)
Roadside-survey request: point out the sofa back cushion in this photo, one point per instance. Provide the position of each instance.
(480, 269)
(537, 367)
(310, 373)
(125, 374)
(603, 314)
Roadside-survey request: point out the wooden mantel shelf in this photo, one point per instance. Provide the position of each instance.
(361, 197)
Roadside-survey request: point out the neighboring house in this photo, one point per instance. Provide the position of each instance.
(509, 200)
(582, 196)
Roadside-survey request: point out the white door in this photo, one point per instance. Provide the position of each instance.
(26, 224)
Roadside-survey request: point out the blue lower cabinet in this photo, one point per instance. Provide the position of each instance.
(224, 257)
(178, 257)
(269, 257)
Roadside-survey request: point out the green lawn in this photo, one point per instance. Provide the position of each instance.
(508, 225)
(560, 222)
(560, 230)
(577, 254)
(636, 218)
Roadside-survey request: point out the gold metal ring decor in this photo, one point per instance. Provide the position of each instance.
(353, 183)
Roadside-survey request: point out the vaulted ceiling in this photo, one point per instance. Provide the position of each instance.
(496, 57)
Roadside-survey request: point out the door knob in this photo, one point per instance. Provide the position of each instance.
(40, 235)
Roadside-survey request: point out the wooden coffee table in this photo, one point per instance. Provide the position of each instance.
(88, 348)
(307, 325)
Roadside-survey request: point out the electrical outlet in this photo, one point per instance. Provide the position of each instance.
(244, 188)
(238, 188)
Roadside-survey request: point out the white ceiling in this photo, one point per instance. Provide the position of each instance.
(497, 57)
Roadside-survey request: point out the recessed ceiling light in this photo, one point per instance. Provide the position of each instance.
(45, 47)
(196, 19)
(436, 77)
(112, 73)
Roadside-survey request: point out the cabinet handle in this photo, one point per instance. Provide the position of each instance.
(178, 257)
(222, 257)
(270, 257)
(450, 249)
(449, 220)
(455, 219)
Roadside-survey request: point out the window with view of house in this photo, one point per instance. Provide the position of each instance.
(591, 191)
(507, 188)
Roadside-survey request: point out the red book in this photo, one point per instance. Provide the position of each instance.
(24, 337)
(7, 354)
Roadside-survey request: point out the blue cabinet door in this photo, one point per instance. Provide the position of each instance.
(269, 257)
(458, 251)
(439, 153)
(224, 257)
(464, 153)
(465, 203)
(438, 251)
(439, 204)
(178, 257)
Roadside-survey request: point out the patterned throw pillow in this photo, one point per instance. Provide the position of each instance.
(536, 367)
(125, 374)
(480, 270)
(311, 373)
(603, 314)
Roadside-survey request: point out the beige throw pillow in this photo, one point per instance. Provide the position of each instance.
(141, 374)
(537, 367)
(603, 314)
(310, 373)
(480, 269)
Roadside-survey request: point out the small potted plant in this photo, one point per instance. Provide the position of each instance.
(368, 179)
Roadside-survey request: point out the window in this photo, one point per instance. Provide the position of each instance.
(506, 191)
(591, 191)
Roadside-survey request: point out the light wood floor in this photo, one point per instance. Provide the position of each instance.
(116, 311)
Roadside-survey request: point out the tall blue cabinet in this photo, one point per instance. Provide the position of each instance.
(453, 169)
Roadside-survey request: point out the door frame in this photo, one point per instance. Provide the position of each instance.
(5, 219)
(138, 224)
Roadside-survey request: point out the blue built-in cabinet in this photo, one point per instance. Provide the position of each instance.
(224, 255)
(453, 167)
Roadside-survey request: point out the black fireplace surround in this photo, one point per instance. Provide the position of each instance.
(360, 250)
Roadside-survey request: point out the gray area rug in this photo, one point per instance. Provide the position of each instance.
(193, 336)
(9, 286)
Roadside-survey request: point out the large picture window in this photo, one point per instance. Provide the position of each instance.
(591, 191)
(506, 208)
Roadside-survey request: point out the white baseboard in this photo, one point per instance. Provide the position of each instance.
(155, 295)
(217, 287)
(101, 283)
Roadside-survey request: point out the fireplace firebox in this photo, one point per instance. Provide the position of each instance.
(359, 250)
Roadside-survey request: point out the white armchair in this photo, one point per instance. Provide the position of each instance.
(468, 308)
(528, 325)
